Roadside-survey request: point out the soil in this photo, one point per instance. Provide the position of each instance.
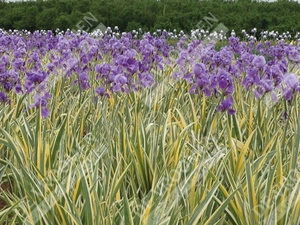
(5, 187)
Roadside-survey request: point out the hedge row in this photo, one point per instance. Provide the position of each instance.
(150, 14)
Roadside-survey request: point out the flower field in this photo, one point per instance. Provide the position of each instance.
(146, 129)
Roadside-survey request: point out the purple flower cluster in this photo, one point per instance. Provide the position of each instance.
(259, 67)
(29, 60)
(111, 64)
(131, 62)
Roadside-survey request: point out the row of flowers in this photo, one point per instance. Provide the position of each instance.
(122, 63)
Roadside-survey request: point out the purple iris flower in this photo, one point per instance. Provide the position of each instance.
(201, 79)
(18, 53)
(119, 82)
(120, 60)
(291, 80)
(5, 59)
(148, 49)
(101, 91)
(217, 58)
(50, 66)
(251, 78)
(4, 98)
(103, 68)
(214, 81)
(259, 61)
(294, 56)
(130, 53)
(18, 87)
(68, 65)
(283, 65)
(131, 65)
(199, 69)
(93, 50)
(276, 74)
(120, 79)
(117, 46)
(292, 85)
(158, 42)
(233, 69)
(202, 83)
(264, 86)
(18, 63)
(226, 56)
(35, 56)
(84, 59)
(34, 78)
(146, 79)
(143, 67)
(84, 81)
(189, 76)
(226, 105)
(41, 101)
(12, 79)
(183, 56)
(224, 79)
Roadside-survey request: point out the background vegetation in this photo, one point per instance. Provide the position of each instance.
(150, 14)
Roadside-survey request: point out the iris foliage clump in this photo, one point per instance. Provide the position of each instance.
(133, 130)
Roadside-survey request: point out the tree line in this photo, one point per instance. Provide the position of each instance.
(150, 15)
